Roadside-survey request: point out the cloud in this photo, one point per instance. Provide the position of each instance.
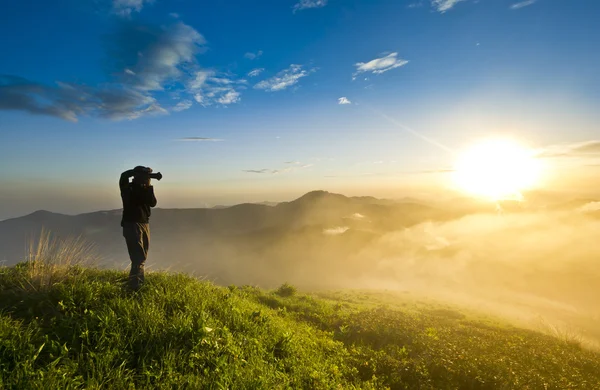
(444, 5)
(199, 79)
(589, 147)
(253, 56)
(166, 59)
(119, 102)
(296, 166)
(200, 139)
(581, 149)
(69, 101)
(284, 79)
(183, 105)
(257, 170)
(229, 97)
(416, 4)
(380, 65)
(590, 207)
(221, 80)
(255, 72)
(306, 4)
(144, 59)
(344, 100)
(214, 94)
(156, 57)
(522, 4)
(174, 15)
(208, 89)
(124, 8)
(336, 231)
(20, 94)
(144, 62)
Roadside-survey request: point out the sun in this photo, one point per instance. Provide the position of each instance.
(497, 169)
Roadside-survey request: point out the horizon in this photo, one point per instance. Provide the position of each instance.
(364, 97)
(213, 206)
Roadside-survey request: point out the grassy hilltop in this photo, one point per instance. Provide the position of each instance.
(76, 327)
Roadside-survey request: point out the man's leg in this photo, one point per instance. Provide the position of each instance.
(145, 243)
(134, 234)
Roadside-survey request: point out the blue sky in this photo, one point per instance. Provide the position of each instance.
(90, 88)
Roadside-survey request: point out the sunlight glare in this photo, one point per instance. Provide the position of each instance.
(497, 169)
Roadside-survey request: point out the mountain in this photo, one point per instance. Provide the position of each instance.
(193, 239)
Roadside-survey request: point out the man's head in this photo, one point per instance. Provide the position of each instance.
(141, 175)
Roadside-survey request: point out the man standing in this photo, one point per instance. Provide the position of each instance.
(138, 197)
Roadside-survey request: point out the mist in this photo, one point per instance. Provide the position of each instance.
(537, 268)
(534, 263)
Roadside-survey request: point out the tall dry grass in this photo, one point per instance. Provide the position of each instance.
(50, 258)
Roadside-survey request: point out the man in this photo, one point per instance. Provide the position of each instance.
(138, 197)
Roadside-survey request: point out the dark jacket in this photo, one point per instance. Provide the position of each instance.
(137, 201)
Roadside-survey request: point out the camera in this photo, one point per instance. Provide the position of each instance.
(142, 175)
(156, 176)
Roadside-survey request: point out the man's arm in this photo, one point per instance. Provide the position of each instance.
(150, 198)
(124, 180)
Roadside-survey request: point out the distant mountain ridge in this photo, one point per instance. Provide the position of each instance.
(314, 211)
(337, 235)
(312, 229)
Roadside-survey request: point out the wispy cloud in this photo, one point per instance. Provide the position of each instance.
(124, 8)
(156, 57)
(200, 139)
(255, 72)
(166, 58)
(257, 170)
(229, 97)
(160, 53)
(207, 88)
(336, 231)
(296, 166)
(444, 5)
(589, 207)
(253, 56)
(306, 4)
(222, 80)
(183, 105)
(380, 65)
(522, 4)
(174, 15)
(70, 101)
(199, 79)
(284, 79)
(581, 149)
(344, 100)
(416, 4)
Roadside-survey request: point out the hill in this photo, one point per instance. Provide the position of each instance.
(80, 328)
(193, 239)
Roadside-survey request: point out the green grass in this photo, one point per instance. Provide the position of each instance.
(86, 330)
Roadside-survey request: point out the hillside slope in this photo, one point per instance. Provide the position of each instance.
(83, 329)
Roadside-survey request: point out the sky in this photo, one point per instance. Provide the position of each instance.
(237, 101)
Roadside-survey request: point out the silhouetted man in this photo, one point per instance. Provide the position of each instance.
(138, 198)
